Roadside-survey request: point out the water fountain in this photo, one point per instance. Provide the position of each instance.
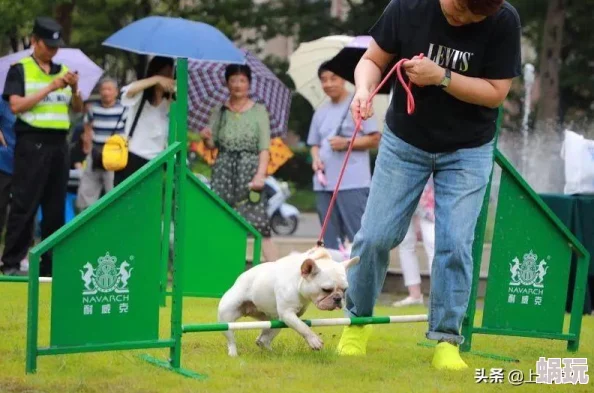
(528, 83)
(534, 152)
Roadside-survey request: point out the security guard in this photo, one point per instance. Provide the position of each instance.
(39, 93)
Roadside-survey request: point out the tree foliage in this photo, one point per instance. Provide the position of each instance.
(87, 23)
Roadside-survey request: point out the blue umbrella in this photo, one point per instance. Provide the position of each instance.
(176, 37)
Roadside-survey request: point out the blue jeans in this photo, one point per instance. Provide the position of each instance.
(401, 172)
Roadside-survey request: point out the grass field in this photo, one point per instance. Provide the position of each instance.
(395, 362)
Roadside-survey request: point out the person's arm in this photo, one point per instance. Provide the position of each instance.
(383, 48)
(263, 160)
(77, 101)
(486, 92)
(369, 70)
(363, 142)
(501, 63)
(315, 158)
(14, 90)
(207, 134)
(71, 79)
(263, 145)
(19, 104)
(140, 85)
(367, 138)
(479, 91)
(314, 139)
(366, 142)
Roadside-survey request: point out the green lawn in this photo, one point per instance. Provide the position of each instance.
(395, 362)
(304, 200)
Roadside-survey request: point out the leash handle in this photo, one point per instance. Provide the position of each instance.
(410, 108)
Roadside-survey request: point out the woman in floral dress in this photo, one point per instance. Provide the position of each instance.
(240, 129)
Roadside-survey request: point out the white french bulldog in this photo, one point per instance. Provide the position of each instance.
(283, 290)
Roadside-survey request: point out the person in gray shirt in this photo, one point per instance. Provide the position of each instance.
(329, 136)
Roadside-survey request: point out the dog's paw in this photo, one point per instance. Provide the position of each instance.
(315, 342)
(264, 344)
(232, 352)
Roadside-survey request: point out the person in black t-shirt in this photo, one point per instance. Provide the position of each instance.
(471, 53)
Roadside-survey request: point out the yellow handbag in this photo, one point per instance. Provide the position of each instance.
(115, 153)
(115, 149)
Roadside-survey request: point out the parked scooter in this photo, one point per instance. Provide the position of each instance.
(284, 217)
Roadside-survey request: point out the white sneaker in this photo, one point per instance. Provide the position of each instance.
(24, 265)
(409, 301)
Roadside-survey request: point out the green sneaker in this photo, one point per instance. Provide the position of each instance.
(353, 341)
(447, 357)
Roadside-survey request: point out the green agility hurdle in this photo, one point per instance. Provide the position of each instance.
(108, 286)
(106, 293)
(528, 278)
(357, 321)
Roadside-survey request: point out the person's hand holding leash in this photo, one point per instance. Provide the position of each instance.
(423, 71)
(359, 106)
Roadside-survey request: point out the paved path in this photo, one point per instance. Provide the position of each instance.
(309, 226)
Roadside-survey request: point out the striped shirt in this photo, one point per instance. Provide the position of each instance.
(106, 120)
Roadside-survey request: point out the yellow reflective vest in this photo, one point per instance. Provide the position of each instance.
(52, 111)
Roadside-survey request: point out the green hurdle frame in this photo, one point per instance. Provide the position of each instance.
(171, 185)
(519, 210)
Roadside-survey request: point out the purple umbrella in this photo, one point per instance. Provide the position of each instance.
(208, 89)
(345, 61)
(89, 72)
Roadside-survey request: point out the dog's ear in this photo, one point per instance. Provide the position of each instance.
(350, 263)
(309, 268)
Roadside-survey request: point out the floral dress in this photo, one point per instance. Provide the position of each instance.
(240, 137)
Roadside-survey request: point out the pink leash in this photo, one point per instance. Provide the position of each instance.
(410, 107)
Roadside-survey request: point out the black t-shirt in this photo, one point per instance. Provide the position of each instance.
(15, 86)
(489, 49)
